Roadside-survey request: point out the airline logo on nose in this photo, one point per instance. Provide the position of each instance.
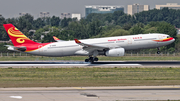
(164, 40)
(14, 32)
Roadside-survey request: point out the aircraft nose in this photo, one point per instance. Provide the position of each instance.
(173, 40)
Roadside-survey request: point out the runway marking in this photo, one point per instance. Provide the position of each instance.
(79, 88)
(16, 97)
(171, 86)
(2, 65)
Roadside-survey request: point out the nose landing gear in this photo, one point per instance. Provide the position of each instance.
(158, 52)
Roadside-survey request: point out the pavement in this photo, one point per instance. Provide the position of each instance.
(91, 93)
(70, 64)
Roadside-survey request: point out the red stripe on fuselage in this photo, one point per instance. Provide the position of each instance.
(33, 47)
(168, 39)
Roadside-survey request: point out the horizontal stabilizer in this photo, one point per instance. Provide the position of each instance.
(13, 48)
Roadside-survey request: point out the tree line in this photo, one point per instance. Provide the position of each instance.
(97, 25)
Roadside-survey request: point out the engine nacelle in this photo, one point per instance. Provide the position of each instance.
(115, 52)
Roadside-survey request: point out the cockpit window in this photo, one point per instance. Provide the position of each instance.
(168, 36)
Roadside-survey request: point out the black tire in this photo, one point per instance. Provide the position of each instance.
(96, 59)
(86, 60)
(90, 58)
(158, 52)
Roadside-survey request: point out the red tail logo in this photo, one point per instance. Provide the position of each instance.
(16, 36)
(55, 38)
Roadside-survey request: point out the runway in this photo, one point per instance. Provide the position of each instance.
(91, 93)
(82, 64)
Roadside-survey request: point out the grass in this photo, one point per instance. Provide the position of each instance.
(71, 77)
(82, 58)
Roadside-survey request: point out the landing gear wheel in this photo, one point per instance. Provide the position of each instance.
(96, 59)
(91, 59)
(158, 52)
(86, 60)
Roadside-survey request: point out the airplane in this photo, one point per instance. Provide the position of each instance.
(108, 46)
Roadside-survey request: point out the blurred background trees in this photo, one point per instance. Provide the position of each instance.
(98, 25)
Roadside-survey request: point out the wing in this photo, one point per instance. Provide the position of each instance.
(91, 47)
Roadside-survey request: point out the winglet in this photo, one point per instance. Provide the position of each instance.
(55, 38)
(77, 41)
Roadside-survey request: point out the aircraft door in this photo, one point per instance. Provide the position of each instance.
(40, 47)
(129, 40)
(160, 38)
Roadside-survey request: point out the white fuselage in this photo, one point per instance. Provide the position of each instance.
(131, 42)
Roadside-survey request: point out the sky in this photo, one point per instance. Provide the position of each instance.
(12, 8)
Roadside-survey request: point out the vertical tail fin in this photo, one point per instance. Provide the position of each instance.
(17, 37)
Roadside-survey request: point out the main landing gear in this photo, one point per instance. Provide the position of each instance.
(158, 52)
(91, 59)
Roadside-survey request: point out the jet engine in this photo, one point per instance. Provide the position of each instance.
(115, 52)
